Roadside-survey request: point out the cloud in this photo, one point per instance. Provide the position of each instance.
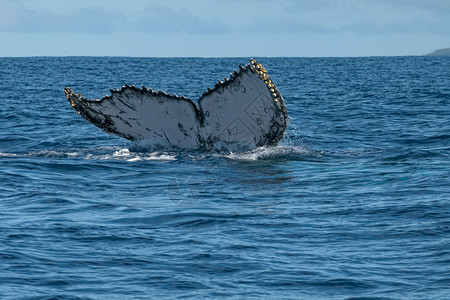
(220, 17)
(378, 17)
(439, 6)
(430, 16)
(17, 18)
(288, 26)
(401, 17)
(162, 19)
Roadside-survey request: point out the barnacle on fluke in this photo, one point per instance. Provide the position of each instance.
(247, 109)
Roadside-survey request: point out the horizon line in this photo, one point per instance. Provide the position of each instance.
(207, 57)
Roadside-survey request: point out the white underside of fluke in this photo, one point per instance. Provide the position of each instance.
(246, 109)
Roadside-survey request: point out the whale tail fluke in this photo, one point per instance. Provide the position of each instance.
(247, 109)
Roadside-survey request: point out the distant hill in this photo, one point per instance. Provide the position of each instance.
(441, 52)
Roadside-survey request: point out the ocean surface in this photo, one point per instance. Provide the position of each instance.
(354, 203)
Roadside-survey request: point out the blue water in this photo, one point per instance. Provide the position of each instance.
(353, 204)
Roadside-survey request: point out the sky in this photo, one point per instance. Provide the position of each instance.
(223, 28)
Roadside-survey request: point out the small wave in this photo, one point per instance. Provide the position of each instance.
(277, 152)
(4, 154)
(54, 153)
(126, 155)
(98, 153)
(140, 153)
